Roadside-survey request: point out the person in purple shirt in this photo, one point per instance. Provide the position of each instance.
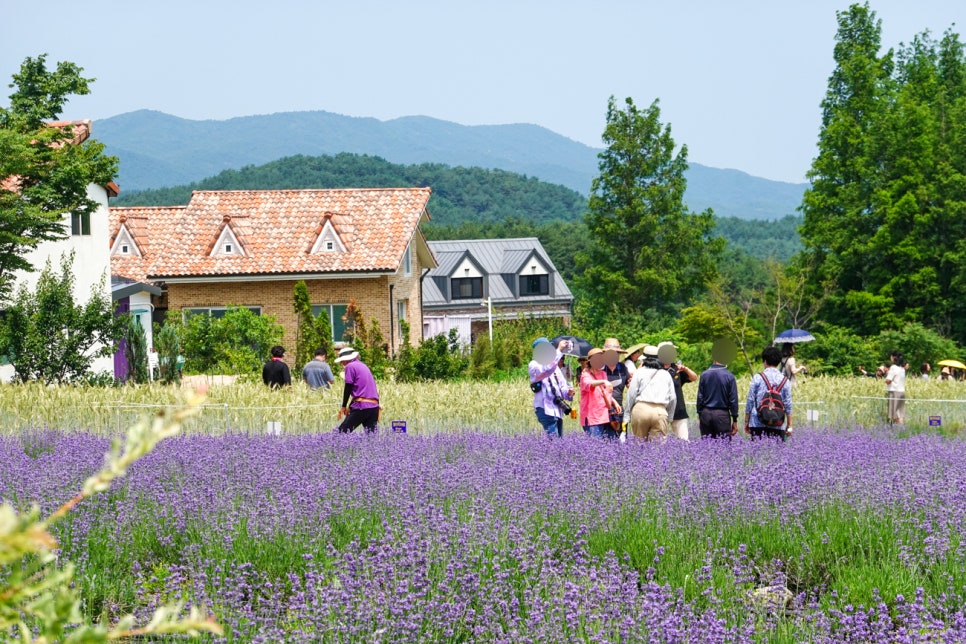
(360, 386)
(772, 357)
(549, 385)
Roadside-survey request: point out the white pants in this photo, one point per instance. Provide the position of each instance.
(681, 429)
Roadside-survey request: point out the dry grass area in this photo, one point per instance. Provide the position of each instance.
(430, 407)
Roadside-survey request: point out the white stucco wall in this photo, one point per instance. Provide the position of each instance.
(92, 264)
(141, 307)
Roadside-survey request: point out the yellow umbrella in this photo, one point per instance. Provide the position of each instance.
(955, 364)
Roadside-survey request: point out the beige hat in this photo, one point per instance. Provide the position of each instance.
(594, 352)
(650, 350)
(635, 348)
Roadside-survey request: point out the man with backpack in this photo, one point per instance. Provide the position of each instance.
(768, 410)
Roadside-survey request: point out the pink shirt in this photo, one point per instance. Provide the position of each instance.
(594, 399)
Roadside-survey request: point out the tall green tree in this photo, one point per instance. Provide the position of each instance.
(885, 217)
(650, 254)
(43, 172)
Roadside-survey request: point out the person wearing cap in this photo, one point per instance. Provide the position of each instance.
(650, 399)
(276, 373)
(596, 401)
(681, 375)
(549, 385)
(616, 371)
(717, 402)
(360, 387)
(633, 354)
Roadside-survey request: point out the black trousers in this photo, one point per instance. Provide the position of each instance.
(367, 417)
(715, 423)
(768, 432)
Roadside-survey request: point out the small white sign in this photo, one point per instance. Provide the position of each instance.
(274, 428)
(812, 415)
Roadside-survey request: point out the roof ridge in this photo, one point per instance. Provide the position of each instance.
(349, 189)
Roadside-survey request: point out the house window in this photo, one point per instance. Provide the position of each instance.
(228, 249)
(216, 311)
(534, 285)
(407, 261)
(329, 246)
(125, 249)
(465, 288)
(80, 223)
(402, 310)
(335, 313)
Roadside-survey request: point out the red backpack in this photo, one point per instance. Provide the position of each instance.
(771, 409)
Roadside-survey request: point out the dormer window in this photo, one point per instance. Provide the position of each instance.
(328, 241)
(124, 245)
(227, 244)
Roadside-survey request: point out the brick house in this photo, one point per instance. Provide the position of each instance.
(513, 276)
(249, 248)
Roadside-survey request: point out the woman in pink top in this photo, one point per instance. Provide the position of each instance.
(596, 400)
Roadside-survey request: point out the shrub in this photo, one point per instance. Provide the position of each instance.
(237, 343)
(48, 337)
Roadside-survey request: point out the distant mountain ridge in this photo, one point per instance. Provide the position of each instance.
(160, 150)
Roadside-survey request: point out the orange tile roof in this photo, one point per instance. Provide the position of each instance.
(276, 229)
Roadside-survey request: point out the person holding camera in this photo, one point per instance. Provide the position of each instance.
(551, 391)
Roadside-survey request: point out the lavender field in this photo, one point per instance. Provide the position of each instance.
(838, 536)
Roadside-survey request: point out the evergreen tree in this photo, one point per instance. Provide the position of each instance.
(840, 213)
(649, 252)
(136, 351)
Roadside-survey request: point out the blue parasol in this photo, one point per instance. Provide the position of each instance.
(794, 335)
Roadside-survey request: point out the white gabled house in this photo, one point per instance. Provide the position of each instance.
(89, 238)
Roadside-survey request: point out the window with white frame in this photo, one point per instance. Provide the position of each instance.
(402, 313)
(407, 261)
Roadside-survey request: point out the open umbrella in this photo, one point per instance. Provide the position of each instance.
(794, 335)
(578, 346)
(955, 364)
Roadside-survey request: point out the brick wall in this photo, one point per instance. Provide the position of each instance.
(276, 299)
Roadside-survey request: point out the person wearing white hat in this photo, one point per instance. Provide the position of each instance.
(360, 387)
(650, 399)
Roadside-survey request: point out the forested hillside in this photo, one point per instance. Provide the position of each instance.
(467, 203)
(459, 194)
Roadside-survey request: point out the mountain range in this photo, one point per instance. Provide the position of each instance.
(160, 150)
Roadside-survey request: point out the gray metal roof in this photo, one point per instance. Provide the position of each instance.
(122, 288)
(495, 257)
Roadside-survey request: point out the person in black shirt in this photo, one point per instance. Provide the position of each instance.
(615, 371)
(681, 375)
(717, 400)
(275, 373)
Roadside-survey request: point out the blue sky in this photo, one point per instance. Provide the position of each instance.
(740, 82)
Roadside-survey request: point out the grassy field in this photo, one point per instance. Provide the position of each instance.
(500, 408)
